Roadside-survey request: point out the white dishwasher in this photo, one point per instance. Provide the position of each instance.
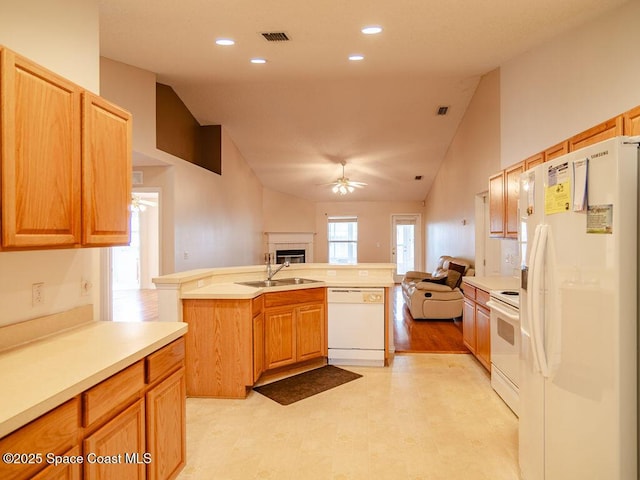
(356, 326)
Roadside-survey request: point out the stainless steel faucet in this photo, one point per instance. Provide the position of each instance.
(270, 274)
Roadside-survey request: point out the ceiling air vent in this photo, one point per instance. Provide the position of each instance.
(275, 36)
(443, 110)
(418, 177)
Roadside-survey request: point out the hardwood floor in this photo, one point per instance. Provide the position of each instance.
(424, 336)
(135, 305)
(415, 336)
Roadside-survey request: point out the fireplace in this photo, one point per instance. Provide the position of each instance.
(296, 255)
(290, 246)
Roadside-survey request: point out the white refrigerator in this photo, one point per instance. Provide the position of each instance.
(578, 305)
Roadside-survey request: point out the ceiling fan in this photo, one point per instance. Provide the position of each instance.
(139, 204)
(343, 185)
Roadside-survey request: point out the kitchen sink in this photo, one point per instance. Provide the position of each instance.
(278, 282)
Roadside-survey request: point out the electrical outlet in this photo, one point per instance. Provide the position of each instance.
(37, 294)
(363, 273)
(185, 255)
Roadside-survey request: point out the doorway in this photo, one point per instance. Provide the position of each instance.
(406, 244)
(133, 294)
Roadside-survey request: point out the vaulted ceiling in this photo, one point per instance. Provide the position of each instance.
(298, 116)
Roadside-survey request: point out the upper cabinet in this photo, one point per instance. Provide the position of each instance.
(609, 129)
(40, 156)
(496, 205)
(106, 172)
(65, 161)
(504, 191)
(512, 185)
(632, 121)
(558, 150)
(534, 160)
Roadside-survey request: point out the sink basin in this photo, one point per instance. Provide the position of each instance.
(277, 282)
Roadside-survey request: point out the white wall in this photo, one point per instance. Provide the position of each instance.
(374, 227)
(63, 37)
(571, 83)
(208, 220)
(474, 154)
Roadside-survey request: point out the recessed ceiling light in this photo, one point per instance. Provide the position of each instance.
(356, 58)
(371, 29)
(225, 42)
(258, 60)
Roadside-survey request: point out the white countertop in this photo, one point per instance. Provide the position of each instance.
(493, 283)
(39, 376)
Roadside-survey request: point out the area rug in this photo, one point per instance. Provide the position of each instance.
(304, 385)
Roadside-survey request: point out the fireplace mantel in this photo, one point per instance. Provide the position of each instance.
(289, 241)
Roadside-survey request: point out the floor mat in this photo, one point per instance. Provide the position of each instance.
(304, 385)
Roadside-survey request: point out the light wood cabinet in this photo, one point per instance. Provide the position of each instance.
(65, 161)
(106, 172)
(557, 150)
(512, 181)
(632, 121)
(123, 435)
(476, 333)
(496, 205)
(55, 432)
(295, 332)
(138, 425)
(220, 347)
(534, 160)
(166, 427)
(68, 471)
(504, 191)
(40, 155)
(258, 346)
(609, 129)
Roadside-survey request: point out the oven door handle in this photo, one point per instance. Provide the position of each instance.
(503, 311)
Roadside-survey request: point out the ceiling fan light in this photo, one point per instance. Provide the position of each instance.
(350, 188)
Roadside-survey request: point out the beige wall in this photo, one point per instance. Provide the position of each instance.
(284, 213)
(474, 154)
(374, 227)
(207, 220)
(62, 36)
(569, 84)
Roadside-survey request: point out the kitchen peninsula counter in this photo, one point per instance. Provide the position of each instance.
(45, 372)
(496, 282)
(221, 283)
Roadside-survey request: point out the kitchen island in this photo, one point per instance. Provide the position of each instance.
(239, 333)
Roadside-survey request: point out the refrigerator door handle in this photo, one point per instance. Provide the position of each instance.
(533, 252)
(537, 318)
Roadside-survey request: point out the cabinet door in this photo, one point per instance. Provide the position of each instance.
(122, 435)
(483, 336)
(258, 346)
(166, 427)
(512, 180)
(534, 160)
(280, 338)
(609, 129)
(40, 155)
(106, 172)
(632, 122)
(496, 205)
(310, 332)
(558, 150)
(469, 325)
(69, 471)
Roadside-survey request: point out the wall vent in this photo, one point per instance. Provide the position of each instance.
(418, 177)
(275, 36)
(443, 110)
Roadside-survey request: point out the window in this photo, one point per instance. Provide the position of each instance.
(343, 240)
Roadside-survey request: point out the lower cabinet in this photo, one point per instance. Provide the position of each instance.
(120, 446)
(295, 332)
(130, 426)
(476, 333)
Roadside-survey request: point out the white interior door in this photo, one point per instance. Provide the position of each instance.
(406, 244)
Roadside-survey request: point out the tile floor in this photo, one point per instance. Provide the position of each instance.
(427, 416)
